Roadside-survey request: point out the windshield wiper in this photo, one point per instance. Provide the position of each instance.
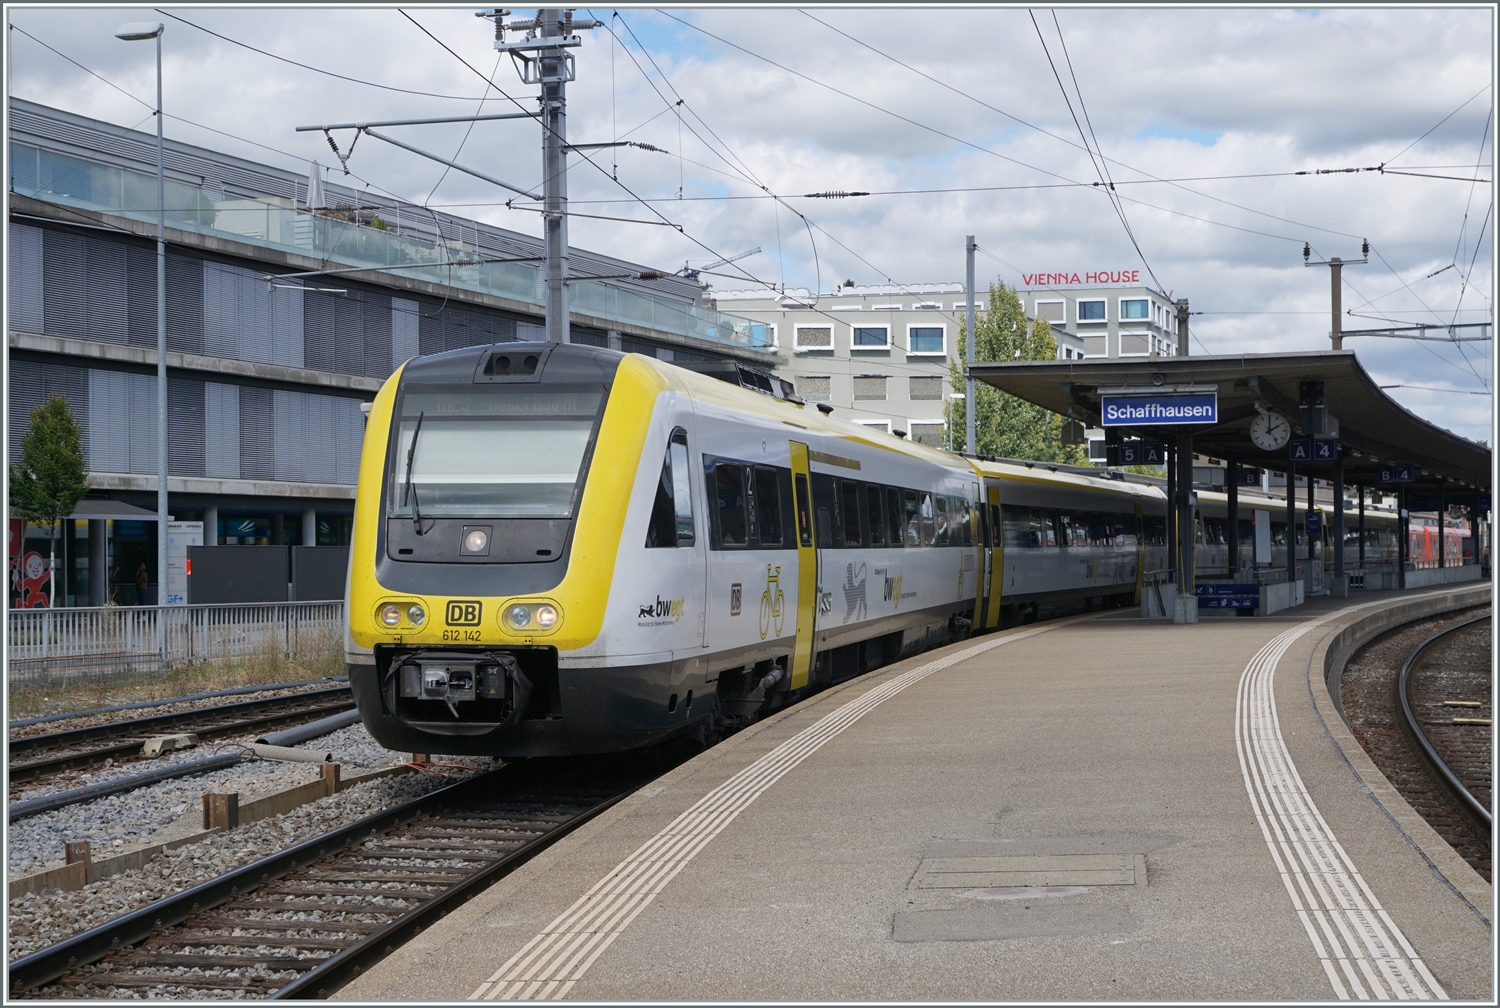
(410, 490)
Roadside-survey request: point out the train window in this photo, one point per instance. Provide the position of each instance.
(1156, 530)
(849, 505)
(910, 522)
(672, 512)
(729, 487)
(875, 506)
(1071, 531)
(1278, 533)
(993, 532)
(929, 523)
(824, 508)
(893, 514)
(967, 528)
(804, 512)
(940, 521)
(768, 506)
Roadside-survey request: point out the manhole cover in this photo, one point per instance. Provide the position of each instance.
(1031, 870)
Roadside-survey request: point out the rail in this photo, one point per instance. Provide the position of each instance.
(1403, 692)
(61, 644)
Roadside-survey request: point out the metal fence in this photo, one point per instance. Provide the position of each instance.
(47, 645)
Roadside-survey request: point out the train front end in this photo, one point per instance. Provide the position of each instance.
(486, 529)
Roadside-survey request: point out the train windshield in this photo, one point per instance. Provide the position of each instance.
(504, 452)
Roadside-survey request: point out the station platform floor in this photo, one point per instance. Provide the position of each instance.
(1100, 807)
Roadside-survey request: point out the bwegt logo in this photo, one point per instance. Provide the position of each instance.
(662, 609)
(462, 612)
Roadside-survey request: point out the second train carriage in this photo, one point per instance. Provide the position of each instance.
(560, 550)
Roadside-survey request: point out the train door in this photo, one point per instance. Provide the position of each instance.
(995, 565)
(807, 567)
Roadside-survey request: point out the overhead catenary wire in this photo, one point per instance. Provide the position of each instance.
(313, 69)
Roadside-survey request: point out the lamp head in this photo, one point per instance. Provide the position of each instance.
(139, 31)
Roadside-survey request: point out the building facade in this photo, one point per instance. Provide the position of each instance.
(1111, 314)
(879, 354)
(269, 355)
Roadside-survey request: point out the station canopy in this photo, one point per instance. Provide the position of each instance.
(1375, 432)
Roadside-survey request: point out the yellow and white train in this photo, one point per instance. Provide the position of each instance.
(562, 550)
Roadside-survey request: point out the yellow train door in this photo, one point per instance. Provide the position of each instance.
(807, 567)
(997, 557)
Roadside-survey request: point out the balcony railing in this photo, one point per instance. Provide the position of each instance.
(54, 177)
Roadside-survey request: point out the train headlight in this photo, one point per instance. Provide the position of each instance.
(546, 617)
(477, 541)
(417, 615)
(518, 616)
(390, 614)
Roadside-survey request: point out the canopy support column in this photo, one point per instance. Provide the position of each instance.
(1185, 610)
(1340, 579)
(1232, 532)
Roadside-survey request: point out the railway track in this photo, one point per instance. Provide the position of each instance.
(1437, 668)
(38, 756)
(1444, 693)
(303, 922)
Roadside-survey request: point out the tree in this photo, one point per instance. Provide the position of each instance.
(1008, 426)
(50, 479)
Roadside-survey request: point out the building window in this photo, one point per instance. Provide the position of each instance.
(1134, 308)
(1091, 311)
(926, 388)
(814, 337)
(979, 306)
(930, 434)
(884, 426)
(1135, 344)
(925, 340)
(872, 338)
(1095, 346)
(885, 307)
(926, 306)
(815, 388)
(869, 388)
(1052, 311)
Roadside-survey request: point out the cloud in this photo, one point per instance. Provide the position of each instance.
(1169, 94)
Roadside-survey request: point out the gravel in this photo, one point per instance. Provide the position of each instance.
(45, 918)
(174, 807)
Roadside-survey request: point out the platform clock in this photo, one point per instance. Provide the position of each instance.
(1270, 431)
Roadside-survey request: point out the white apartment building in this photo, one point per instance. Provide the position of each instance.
(1110, 312)
(878, 354)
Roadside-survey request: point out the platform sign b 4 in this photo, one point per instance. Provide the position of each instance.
(1401, 473)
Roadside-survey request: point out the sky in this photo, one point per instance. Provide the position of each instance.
(1199, 118)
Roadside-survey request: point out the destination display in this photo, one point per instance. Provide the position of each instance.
(1160, 408)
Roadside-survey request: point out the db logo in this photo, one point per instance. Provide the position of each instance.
(463, 613)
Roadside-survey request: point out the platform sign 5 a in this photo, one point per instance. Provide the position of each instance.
(1159, 408)
(1217, 595)
(1142, 453)
(1401, 473)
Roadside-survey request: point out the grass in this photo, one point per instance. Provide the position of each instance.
(321, 659)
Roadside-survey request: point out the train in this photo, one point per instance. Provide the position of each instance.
(564, 550)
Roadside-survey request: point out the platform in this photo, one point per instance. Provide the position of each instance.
(1100, 807)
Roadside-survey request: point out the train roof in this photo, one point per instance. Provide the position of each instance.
(796, 414)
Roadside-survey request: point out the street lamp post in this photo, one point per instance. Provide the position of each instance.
(139, 31)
